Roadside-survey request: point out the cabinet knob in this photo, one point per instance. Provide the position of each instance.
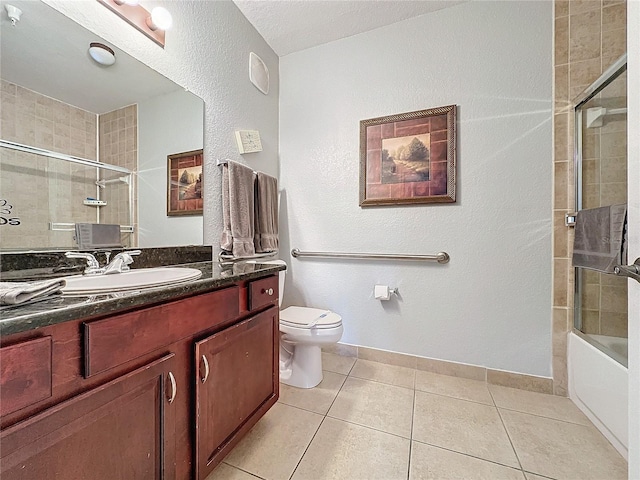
(174, 388)
(268, 291)
(205, 365)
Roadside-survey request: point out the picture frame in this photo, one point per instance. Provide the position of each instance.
(184, 183)
(409, 158)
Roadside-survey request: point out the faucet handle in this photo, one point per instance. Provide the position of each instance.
(92, 264)
(124, 259)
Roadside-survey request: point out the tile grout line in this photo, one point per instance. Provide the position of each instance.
(368, 427)
(457, 398)
(413, 414)
(307, 448)
(548, 418)
(381, 383)
(318, 429)
(242, 470)
(471, 456)
(508, 435)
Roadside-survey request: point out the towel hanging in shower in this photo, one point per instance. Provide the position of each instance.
(599, 242)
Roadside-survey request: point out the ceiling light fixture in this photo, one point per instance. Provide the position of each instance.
(153, 24)
(160, 19)
(102, 54)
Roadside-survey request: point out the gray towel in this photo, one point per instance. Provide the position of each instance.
(12, 293)
(266, 229)
(599, 242)
(237, 210)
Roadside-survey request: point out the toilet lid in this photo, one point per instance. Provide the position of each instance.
(305, 317)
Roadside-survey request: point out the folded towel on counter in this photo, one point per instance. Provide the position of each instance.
(238, 185)
(12, 293)
(599, 242)
(266, 227)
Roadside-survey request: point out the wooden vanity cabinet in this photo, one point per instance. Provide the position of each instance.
(122, 397)
(123, 429)
(237, 383)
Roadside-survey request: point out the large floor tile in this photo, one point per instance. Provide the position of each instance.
(344, 451)
(533, 476)
(462, 426)
(376, 405)
(433, 463)
(384, 373)
(317, 399)
(227, 472)
(551, 406)
(337, 363)
(562, 450)
(274, 446)
(463, 388)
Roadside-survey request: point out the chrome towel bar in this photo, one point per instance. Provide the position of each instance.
(441, 257)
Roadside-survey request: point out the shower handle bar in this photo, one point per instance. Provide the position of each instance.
(440, 257)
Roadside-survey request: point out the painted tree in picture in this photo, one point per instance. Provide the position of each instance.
(190, 183)
(405, 159)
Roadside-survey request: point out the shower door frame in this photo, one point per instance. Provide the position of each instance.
(607, 77)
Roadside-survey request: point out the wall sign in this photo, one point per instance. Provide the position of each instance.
(6, 217)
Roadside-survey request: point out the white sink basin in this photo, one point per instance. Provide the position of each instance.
(127, 281)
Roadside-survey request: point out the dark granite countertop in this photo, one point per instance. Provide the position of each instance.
(58, 309)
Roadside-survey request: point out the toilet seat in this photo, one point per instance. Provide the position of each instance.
(308, 318)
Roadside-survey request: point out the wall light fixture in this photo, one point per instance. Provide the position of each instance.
(153, 24)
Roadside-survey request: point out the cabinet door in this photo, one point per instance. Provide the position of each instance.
(123, 430)
(237, 383)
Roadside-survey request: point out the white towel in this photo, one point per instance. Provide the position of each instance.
(238, 185)
(266, 229)
(12, 293)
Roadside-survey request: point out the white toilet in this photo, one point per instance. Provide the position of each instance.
(303, 331)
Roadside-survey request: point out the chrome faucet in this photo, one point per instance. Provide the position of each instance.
(93, 267)
(121, 262)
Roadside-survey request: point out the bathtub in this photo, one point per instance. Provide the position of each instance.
(599, 386)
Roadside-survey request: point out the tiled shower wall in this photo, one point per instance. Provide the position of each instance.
(119, 146)
(39, 189)
(589, 36)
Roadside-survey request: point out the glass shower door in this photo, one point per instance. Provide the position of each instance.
(601, 180)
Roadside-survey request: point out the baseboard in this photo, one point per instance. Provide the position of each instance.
(443, 367)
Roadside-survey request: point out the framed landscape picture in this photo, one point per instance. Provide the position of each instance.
(409, 158)
(184, 183)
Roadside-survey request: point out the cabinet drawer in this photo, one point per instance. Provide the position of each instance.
(25, 374)
(263, 292)
(120, 339)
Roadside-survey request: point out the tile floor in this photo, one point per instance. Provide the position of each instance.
(369, 420)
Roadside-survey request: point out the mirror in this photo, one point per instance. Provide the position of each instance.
(66, 112)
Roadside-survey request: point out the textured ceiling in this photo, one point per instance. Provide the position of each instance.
(292, 25)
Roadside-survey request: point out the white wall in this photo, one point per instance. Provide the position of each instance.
(207, 51)
(167, 124)
(491, 305)
(633, 78)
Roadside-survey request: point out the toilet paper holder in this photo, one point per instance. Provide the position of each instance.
(384, 292)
